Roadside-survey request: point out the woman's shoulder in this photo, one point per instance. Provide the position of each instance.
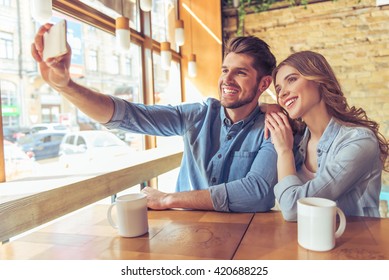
(357, 136)
(353, 130)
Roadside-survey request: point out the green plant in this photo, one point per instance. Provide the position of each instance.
(258, 6)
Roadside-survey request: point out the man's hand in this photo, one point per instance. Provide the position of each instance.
(55, 71)
(156, 199)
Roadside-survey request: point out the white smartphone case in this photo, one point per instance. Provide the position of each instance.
(54, 41)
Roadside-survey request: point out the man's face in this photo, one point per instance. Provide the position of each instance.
(238, 85)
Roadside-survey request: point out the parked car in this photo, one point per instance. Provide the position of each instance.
(92, 148)
(13, 133)
(42, 144)
(17, 163)
(49, 127)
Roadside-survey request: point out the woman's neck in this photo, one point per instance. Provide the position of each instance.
(317, 120)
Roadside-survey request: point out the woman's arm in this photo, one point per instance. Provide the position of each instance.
(353, 161)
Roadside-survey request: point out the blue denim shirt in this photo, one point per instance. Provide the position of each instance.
(233, 161)
(349, 172)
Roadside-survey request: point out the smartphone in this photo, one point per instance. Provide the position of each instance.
(54, 41)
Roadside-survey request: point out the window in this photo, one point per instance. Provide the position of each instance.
(9, 104)
(50, 113)
(5, 3)
(114, 64)
(92, 61)
(127, 66)
(96, 63)
(6, 45)
(70, 140)
(80, 141)
(90, 33)
(167, 91)
(164, 15)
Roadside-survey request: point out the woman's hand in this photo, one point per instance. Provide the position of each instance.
(281, 132)
(268, 109)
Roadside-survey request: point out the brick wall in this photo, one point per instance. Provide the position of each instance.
(354, 37)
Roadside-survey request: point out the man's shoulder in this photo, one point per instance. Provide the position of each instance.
(212, 102)
(204, 105)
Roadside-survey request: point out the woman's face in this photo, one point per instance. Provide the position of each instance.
(297, 95)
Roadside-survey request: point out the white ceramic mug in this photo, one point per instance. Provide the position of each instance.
(316, 223)
(131, 215)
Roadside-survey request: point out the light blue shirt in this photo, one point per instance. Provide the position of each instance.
(349, 172)
(233, 161)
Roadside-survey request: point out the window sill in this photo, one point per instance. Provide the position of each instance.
(60, 196)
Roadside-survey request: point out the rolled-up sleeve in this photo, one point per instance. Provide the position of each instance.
(219, 198)
(287, 197)
(119, 112)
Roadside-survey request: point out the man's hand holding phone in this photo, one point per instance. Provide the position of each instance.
(54, 41)
(53, 54)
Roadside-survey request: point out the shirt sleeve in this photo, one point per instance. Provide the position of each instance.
(118, 113)
(353, 158)
(159, 120)
(254, 192)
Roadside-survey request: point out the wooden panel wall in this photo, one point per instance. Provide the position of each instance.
(207, 49)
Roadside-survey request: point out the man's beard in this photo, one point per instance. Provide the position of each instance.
(238, 103)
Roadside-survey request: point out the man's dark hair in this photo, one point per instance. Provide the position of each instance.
(264, 61)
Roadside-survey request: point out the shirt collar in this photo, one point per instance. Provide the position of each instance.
(226, 121)
(328, 136)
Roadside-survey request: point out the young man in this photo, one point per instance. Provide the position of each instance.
(227, 165)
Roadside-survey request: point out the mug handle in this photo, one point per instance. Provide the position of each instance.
(109, 216)
(342, 223)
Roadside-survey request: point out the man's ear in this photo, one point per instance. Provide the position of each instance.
(265, 83)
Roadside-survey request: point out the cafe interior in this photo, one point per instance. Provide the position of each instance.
(169, 52)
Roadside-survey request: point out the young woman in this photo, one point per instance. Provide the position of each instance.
(343, 153)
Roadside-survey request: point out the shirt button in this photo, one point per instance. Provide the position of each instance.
(219, 155)
(213, 180)
(229, 137)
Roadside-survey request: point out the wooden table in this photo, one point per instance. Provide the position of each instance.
(270, 237)
(173, 234)
(177, 234)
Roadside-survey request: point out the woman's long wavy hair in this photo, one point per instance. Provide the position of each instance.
(314, 67)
